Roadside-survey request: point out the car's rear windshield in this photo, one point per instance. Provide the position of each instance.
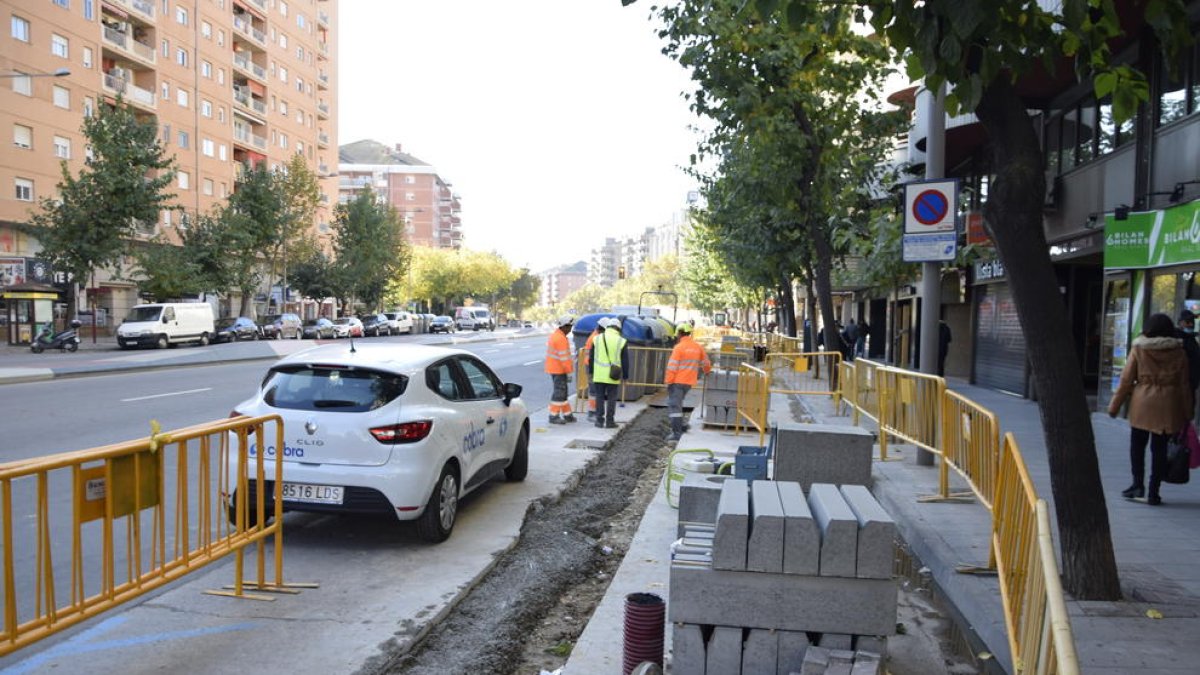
(331, 388)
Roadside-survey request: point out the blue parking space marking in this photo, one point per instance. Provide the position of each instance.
(81, 643)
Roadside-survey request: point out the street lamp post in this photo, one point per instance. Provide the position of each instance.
(61, 72)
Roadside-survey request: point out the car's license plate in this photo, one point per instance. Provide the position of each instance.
(312, 494)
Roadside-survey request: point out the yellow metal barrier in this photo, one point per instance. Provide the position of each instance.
(156, 507)
(647, 368)
(804, 373)
(583, 378)
(753, 399)
(847, 381)
(971, 445)
(1035, 614)
(866, 389)
(910, 408)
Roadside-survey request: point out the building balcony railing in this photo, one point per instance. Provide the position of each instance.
(323, 139)
(323, 110)
(243, 135)
(143, 7)
(243, 26)
(133, 93)
(324, 49)
(322, 80)
(261, 4)
(243, 63)
(242, 96)
(143, 52)
(322, 19)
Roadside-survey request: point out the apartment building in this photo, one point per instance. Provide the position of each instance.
(225, 81)
(559, 282)
(425, 201)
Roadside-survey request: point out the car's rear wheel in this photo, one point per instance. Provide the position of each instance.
(519, 466)
(437, 522)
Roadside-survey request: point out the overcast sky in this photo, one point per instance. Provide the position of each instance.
(559, 122)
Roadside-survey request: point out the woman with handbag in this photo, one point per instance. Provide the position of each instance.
(1155, 381)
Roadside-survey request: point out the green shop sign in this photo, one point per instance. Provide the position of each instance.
(1153, 238)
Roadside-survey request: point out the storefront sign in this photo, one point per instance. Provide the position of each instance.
(977, 234)
(988, 270)
(12, 271)
(1153, 238)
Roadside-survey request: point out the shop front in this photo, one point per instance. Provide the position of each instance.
(999, 351)
(1151, 264)
(27, 308)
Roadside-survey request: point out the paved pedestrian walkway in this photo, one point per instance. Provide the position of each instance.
(1157, 550)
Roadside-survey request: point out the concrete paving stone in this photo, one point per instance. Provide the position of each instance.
(687, 649)
(733, 526)
(760, 652)
(724, 651)
(842, 641)
(816, 661)
(764, 551)
(866, 663)
(838, 668)
(873, 644)
(801, 536)
(840, 656)
(698, 497)
(692, 557)
(876, 533)
(823, 453)
(839, 530)
(782, 601)
(792, 645)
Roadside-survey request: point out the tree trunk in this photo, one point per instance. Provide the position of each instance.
(1013, 214)
(247, 302)
(810, 314)
(822, 272)
(787, 307)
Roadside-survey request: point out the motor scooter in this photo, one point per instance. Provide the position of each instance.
(67, 340)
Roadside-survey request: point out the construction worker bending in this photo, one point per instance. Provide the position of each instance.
(608, 365)
(559, 365)
(688, 358)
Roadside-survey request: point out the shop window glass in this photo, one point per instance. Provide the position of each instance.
(1190, 288)
(1164, 293)
(1108, 128)
(1087, 131)
(1114, 338)
(1172, 103)
(1070, 130)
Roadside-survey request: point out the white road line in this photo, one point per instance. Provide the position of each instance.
(531, 363)
(490, 351)
(174, 393)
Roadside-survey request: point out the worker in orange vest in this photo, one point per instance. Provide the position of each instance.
(559, 366)
(688, 358)
(587, 368)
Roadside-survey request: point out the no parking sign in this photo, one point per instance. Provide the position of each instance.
(930, 223)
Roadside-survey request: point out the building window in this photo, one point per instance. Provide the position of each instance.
(184, 139)
(166, 48)
(89, 9)
(221, 114)
(20, 29)
(206, 30)
(206, 108)
(59, 46)
(409, 196)
(283, 74)
(181, 16)
(1180, 94)
(206, 69)
(22, 84)
(220, 37)
(283, 40)
(300, 147)
(208, 187)
(300, 85)
(181, 57)
(87, 57)
(283, 8)
(224, 191)
(65, 4)
(185, 180)
(166, 133)
(88, 108)
(221, 155)
(300, 54)
(24, 189)
(166, 91)
(62, 97)
(181, 97)
(166, 218)
(22, 136)
(300, 20)
(282, 107)
(62, 147)
(221, 76)
(208, 147)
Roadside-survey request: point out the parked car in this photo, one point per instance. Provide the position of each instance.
(474, 318)
(318, 328)
(348, 327)
(406, 430)
(527, 324)
(399, 322)
(276, 326)
(376, 324)
(232, 329)
(441, 324)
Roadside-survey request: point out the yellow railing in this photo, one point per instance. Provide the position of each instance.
(647, 367)
(157, 507)
(971, 445)
(583, 377)
(847, 385)
(1035, 614)
(866, 389)
(753, 400)
(909, 407)
(813, 373)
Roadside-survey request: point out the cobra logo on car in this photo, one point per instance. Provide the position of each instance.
(473, 440)
(288, 451)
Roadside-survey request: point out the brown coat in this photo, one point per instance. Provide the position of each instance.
(1155, 380)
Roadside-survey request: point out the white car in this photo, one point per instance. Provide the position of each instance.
(347, 327)
(389, 428)
(399, 322)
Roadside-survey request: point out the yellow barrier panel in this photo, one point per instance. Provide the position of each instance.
(971, 446)
(814, 373)
(866, 391)
(910, 408)
(847, 381)
(1035, 614)
(753, 400)
(583, 378)
(647, 368)
(112, 508)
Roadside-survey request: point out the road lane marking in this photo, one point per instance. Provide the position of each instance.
(173, 393)
(532, 363)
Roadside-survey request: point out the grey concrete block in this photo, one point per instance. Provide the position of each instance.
(841, 661)
(733, 526)
(687, 649)
(816, 661)
(698, 498)
(867, 663)
(782, 601)
(724, 651)
(764, 551)
(760, 652)
(801, 538)
(823, 453)
(792, 645)
(876, 533)
(839, 641)
(839, 530)
(872, 644)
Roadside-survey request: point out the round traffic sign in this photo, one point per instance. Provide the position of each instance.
(930, 206)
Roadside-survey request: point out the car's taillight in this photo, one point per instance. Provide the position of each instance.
(406, 432)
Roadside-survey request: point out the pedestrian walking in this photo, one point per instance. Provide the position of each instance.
(559, 366)
(850, 338)
(688, 358)
(608, 351)
(587, 368)
(860, 345)
(944, 339)
(1154, 381)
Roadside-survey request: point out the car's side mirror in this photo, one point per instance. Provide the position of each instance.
(511, 391)
(166, 320)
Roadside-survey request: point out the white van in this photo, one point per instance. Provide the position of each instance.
(473, 318)
(166, 323)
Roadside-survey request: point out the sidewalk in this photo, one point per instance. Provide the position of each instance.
(1157, 550)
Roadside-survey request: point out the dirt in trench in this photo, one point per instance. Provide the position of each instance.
(558, 570)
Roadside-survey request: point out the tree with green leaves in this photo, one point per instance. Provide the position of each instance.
(123, 185)
(301, 197)
(521, 293)
(252, 222)
(165, 271)
(369, 249)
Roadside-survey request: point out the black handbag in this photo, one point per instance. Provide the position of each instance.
(615, 373)
(1178, 456)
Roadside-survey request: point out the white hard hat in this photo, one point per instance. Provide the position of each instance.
(566, 320)
(604, 322)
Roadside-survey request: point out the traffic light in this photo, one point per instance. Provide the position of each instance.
(621, 272)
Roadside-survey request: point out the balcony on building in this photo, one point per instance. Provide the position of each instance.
(243, 62)
(322, 110)
(260, 4)
(246, 158)
(323, 51)
(322, 80)
(355, 182)
(322, 139)
(136, 87)
(142, 9)
(125, 36)
(244, 135)
(249, 29)
(322, 19)
(246, 95)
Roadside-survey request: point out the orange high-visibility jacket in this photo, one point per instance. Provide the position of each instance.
(558, 354)
(587, 347)
(687, 358)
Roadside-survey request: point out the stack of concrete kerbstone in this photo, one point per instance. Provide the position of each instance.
(720, 397)
(823, 453)
(777, 573)
(734, 352)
